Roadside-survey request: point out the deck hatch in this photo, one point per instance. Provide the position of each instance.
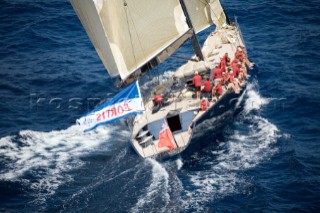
(173, 119)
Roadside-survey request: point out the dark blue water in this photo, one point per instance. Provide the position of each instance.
(266, 159)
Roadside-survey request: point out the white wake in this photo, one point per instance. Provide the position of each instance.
(47, 156)
(159, 181)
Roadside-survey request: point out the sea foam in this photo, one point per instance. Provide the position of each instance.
(48, 156)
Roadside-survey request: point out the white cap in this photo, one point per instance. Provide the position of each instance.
(196, 72)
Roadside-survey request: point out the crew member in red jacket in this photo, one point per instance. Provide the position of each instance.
(217, 91)
(207, 85)
(204, 104)
(157, 100)
(207, 88)
(226, 59)
(217, 75)
(236, 69)
(197, 84)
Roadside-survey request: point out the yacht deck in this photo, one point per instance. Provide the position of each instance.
(216, 45)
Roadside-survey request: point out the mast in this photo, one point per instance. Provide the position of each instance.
(194, 39)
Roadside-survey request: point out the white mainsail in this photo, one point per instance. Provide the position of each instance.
(129, 33)
(204, 13)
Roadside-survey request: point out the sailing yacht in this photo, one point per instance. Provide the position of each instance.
(133, 36)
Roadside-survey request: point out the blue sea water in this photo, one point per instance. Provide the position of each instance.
(265, 160)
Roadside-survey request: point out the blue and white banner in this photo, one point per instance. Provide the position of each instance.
(127, 102)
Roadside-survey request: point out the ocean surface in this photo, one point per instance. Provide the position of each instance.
(267, 158)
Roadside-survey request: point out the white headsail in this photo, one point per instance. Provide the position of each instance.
(204, 13)
(127, 34)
